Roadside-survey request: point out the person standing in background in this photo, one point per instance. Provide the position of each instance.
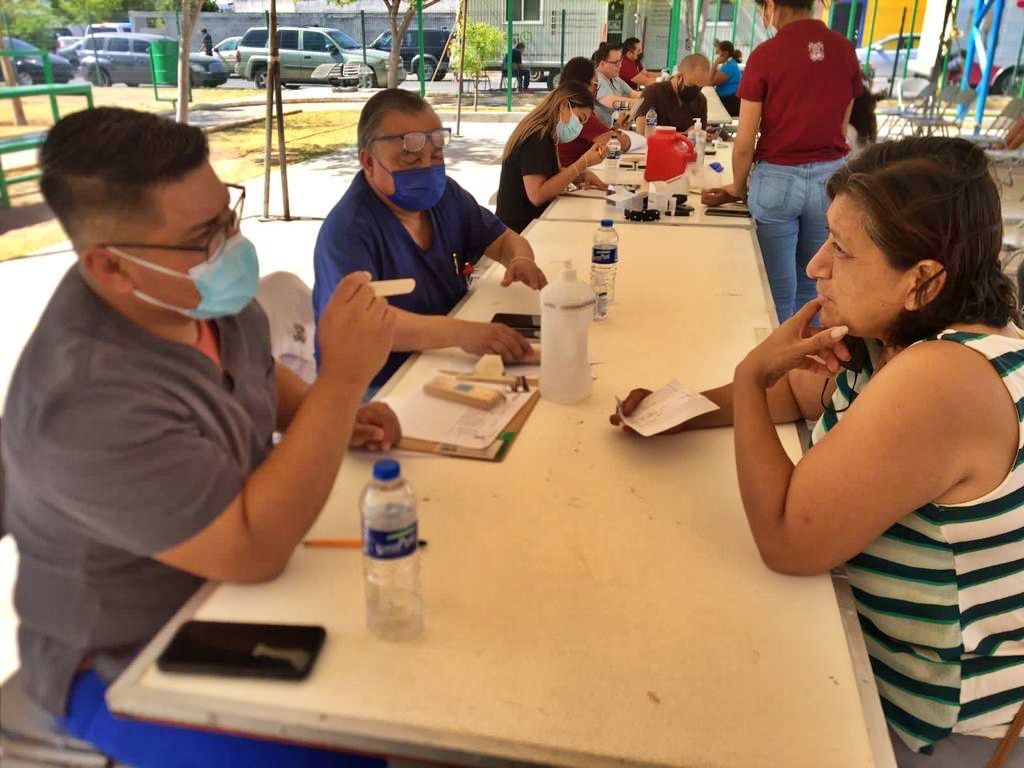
(632, 70)
(797, 92)
(207, 45)
(725, 76)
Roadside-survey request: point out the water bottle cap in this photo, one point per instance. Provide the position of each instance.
(606, 222)
(386, 469)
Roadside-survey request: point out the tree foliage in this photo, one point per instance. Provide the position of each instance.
(484, 44)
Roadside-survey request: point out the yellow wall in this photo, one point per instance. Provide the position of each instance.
(887, 21)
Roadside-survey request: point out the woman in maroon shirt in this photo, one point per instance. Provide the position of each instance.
(797, 90)
(582, 70)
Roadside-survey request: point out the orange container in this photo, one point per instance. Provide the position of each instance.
(668, 153)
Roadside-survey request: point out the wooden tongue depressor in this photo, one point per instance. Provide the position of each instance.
(399, 287)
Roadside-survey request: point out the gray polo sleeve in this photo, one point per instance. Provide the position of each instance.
(130, 467)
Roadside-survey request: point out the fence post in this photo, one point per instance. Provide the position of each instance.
(871, 39)
(851, 22)
(419, 40)
(910, 40)
(562, 55)
(362, 32)
(673, 34)
(718, 16)
(753, 26)
(509, 12)
(462, 67)
(696, 32)
(899, 47)
(735, 18)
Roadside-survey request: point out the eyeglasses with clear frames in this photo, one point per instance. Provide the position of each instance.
(415, 141)
(236, 193)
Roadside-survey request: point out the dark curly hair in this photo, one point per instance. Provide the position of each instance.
(935, 198)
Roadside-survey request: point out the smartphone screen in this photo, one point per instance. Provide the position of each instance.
(280, 651)
(527, 325)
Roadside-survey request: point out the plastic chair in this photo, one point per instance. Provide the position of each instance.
(911, 96)
(288, 302)
(1002, 123)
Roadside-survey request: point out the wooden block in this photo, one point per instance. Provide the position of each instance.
(534, 357)
(463, 393)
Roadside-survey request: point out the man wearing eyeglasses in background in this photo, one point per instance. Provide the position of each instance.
(137, 432)
(612, 91)
(403, 217)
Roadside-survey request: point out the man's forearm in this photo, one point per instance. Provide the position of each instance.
(508, 247)
(415, 332)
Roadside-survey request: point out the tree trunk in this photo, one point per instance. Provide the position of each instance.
(10, 74)
(396, 46)
(189, 16)
(689, 34)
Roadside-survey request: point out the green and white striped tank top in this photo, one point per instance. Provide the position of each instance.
(940, 594)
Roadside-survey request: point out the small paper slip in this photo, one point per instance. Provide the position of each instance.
(669, 406)
(427, 418)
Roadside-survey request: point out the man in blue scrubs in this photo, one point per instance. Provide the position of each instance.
(403, 217)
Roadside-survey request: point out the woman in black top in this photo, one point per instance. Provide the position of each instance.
(530, 173)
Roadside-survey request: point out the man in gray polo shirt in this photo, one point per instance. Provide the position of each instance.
(611, 89)
(137, 430)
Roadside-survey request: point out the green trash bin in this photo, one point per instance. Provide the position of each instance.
(163, 57)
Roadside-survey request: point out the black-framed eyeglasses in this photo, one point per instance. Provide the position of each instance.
(415, 141)
(236, 193)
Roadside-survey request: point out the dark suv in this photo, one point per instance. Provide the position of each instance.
(435, 52)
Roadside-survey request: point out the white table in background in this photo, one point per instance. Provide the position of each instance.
(592, 600)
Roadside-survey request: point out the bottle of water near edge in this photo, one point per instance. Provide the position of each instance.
(652, 121)
(603, 264)
(611, 161)
(394, 605)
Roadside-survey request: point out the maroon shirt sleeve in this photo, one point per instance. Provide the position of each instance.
(628, 71)
(858, 78)
(753, 84)
(570, 152)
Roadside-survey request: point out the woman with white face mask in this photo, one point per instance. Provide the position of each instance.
(797, 91)
(531, 176)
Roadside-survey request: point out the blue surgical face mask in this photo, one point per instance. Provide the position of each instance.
(418, 189)
(226, 282)
(571, 130)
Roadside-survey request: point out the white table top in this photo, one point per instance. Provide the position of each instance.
(592, 600)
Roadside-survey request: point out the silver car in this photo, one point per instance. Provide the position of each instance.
(123, 57)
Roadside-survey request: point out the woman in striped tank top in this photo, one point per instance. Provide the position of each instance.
(915, 479)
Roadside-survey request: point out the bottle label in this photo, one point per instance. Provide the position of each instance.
(601, 306)
(389, 545)
(605, 254)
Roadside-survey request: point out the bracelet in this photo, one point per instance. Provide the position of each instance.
(520, 258)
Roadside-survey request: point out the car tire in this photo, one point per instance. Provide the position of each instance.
(132, 85)
(24, 78)
(429, 67)
(291, 86)
(554, 77)
(1003, 84)
(104, 79)
(259, 78)
(371, 80)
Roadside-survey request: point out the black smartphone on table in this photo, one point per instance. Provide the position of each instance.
(526, 325)
(234, 649)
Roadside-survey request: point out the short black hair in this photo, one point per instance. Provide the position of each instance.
(104, 162)
(380, 105)
(521, 46)
(629, 44)
(604, 51)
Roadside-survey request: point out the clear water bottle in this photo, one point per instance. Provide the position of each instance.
(394, 605)
(652, 121)
(603, 264)
(612, 160)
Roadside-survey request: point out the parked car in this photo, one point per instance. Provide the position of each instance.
(29, 69)
(225, 49)
(124, 58)
(108, 27)
(884, 53)
(65, 41)
(435, 52)
(312, 55)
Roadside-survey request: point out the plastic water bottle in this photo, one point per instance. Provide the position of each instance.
(612, 160)
(604, 261)
(652, 121)
(700, 141)
(394, 605)
(566, 311)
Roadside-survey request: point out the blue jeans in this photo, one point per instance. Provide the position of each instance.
(788, 202)
(143, 744)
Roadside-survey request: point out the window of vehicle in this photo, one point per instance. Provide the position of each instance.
(288, 39)
(140, 46)
(411, 41)
(891, 44)
(725, 11)
(341, 38)
(118, 45)
(315, 41)
(255, 38)
(525, 10)
(228, 45)
(384, 41)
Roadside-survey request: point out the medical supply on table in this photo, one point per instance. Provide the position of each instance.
(604, 262)
(700, 141)
(344, 543)
(391, 568)
(652, 120)
(612, 160)
(668, 407)
(566, 310)
(400, 287)
(463, 392)
(668, 153)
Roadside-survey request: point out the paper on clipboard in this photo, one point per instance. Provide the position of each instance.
(668, 407)
(428, 418)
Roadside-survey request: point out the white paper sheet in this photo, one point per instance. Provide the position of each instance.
(430, 418)
(671, 405)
